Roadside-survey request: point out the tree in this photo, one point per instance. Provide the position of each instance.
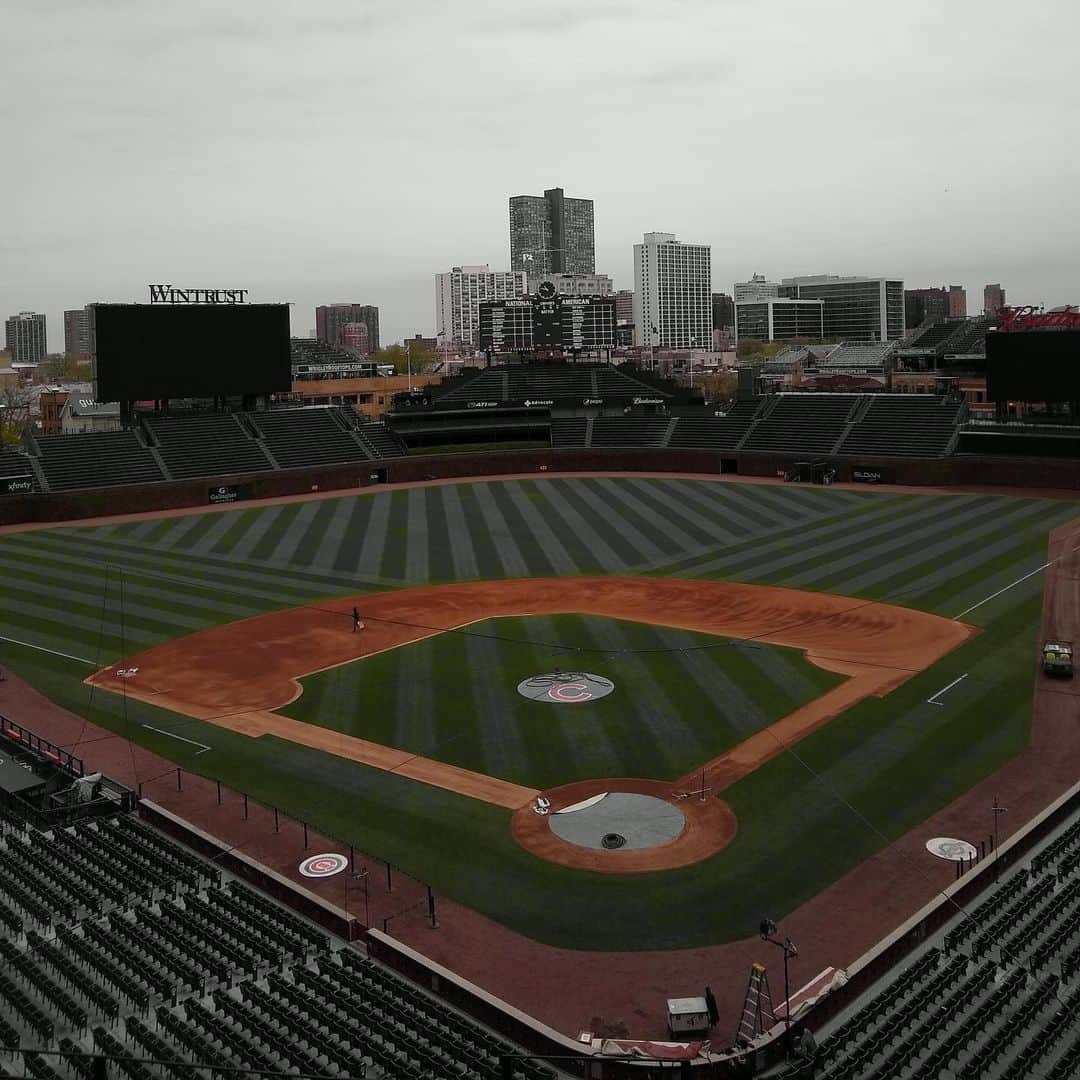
(14, 413)
(64, 366)
(720, 386)
(748, 347)
(418, 358)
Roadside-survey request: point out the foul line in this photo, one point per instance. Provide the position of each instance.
(172, 735)
(55, 652)
(933, 700)
(1039, 570)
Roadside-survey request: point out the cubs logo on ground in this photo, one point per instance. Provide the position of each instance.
(565, 687)
(322, 866)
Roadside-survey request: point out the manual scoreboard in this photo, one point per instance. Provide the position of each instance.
(548, 323)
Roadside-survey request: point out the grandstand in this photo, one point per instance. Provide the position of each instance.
(995, 994)
(513, 382)
(95, 460)
(872, 359)
(206, 445)
(117, 940)
(303, 437)
(915, 425)
(801, 423)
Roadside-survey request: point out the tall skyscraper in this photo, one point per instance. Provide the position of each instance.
(25, 337)
(757, 288)
(723, 311)
(856, 308)
(924, 305)
(77, 333)
(957, 302)
(993, 299)
(551, 234)
(672, 293)
(330, 318)
(458, 294)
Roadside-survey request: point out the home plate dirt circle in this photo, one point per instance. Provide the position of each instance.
(623, 826)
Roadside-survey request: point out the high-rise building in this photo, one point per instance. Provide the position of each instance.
(330, 318)
(779, 318)
(624, 306)
(993, 299)
(856, 308)
(924, 306)
(355, 337)
(551, 234)
(77, 333)
(672, 293)
(957, 302)
(723, 311)
(458, 294)
(25, 337)
(757, 288)
(573, 284)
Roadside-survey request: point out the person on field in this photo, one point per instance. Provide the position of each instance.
(356, 623)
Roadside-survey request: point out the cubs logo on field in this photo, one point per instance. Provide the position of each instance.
(565, 687)
(320, 866)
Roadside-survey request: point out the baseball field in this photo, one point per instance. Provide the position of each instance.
(410, 741)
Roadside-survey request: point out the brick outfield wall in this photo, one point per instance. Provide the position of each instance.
(938, 472)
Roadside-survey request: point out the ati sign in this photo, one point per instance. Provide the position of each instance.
(168, 294)
(1029, 317)
(228, 493)
(16, 485)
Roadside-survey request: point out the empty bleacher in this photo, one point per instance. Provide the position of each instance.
(96, 460)
(298, 438)
(569, 431)
(801, 423)
(904, 425)
(117, 940)
(547, 381)
(15, 464)
(380, 441)
(207, 445)
(716, 432)
(630, 431)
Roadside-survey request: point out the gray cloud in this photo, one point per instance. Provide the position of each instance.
(348, 151)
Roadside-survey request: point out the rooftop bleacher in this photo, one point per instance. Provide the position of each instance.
(96, 460)
(207, 445)
(858, 355)
(904, 425)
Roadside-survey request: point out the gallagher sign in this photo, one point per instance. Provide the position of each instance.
(169, 294)
(1028, 317)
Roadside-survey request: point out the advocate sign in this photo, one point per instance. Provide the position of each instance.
(169, 294)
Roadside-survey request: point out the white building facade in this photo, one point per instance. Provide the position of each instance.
(672, 293)
(574, 284)
(458, 294)
(757, 288)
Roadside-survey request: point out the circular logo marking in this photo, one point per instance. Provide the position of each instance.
(945, 847)
(319, 866)
(565, 687)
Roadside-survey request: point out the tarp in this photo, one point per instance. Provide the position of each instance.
(661, 1051)
(14, 778)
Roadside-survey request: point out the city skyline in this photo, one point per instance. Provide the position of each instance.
(190, 181)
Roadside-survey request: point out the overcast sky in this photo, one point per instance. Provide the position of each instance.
(347, 150)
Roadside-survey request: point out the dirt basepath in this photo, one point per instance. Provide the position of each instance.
(235, 675)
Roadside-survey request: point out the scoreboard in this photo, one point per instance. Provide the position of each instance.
(568, 324)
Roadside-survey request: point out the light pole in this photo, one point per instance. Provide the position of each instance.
(768, 931)
(997, 812)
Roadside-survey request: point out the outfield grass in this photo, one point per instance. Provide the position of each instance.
(680, 698)
(99, 593)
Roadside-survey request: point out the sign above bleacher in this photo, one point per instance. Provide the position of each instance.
(1029, 317)
(169, 294)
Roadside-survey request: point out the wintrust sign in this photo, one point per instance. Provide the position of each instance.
(169, 294)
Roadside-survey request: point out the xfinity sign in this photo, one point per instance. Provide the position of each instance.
(169, 294)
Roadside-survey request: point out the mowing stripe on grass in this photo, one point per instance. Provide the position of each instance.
(654, 535)
(576, 554)
(460, 537)
(345, 556)
(375, 537)
(417, 540)
(440, 551)
(697, 527)
(999, 592)
(533, 557)
(605, 544)
(483, 553)
(53, 652)
(393, 562)
(539, 528)
(491, 521)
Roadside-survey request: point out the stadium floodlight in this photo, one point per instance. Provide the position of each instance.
(768, 931)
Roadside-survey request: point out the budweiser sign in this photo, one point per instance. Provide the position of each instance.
(1029, 317)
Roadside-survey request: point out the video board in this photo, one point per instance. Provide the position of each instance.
(151, 352)
(1033, 365)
